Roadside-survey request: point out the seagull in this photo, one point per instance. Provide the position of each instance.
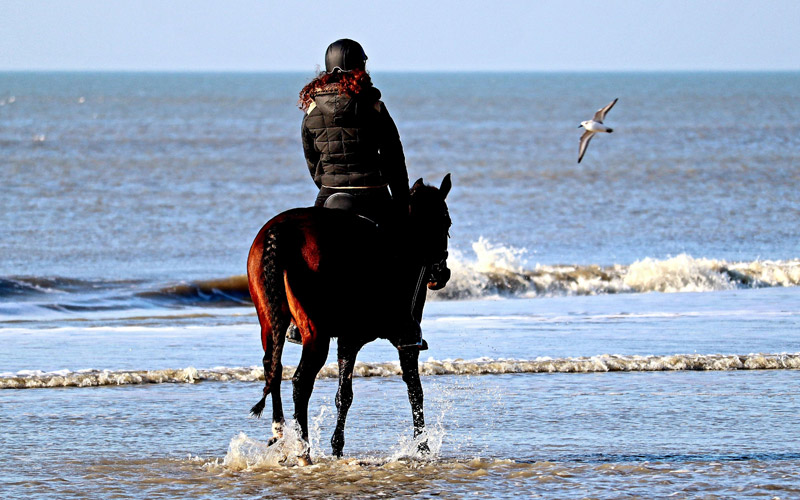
(593, 126)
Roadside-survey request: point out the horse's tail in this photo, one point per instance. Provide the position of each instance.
(265, 279)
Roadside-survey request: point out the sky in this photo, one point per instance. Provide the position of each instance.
(414, 35)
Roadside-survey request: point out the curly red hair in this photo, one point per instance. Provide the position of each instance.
(349, 83)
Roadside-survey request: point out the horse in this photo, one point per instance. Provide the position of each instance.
(337, 274)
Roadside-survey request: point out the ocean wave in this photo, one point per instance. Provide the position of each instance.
(226, 291)
(501, 270)
(28, 379)
(34, 296)
(494, 270)
(18, 286)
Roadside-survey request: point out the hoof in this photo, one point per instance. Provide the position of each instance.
(337, 444)
(277, 433)
(423, 448)
(304, 460)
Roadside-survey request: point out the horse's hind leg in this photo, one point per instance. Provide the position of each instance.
(409, 363)
(315, 351)
(277, 412)
(344, 396)
(266, 290)
(273, 389)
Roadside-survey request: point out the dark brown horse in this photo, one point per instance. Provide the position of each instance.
(336, 274)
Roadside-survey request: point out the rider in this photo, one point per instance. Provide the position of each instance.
(352, 146)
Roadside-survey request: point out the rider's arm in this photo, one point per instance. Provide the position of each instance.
(393, 161)
(312, 155)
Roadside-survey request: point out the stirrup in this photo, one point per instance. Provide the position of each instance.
(422, 345)
(293, 334)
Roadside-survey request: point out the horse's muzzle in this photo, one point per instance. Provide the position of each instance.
(439, 276)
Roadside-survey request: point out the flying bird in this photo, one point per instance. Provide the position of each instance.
(594, 126)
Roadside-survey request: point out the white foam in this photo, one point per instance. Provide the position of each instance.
(501, 270)
(498, 258)
(31, 379)
(678, 274)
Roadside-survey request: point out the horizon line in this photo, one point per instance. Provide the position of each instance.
(416, 71)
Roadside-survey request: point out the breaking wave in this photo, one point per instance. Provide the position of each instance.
(29, 379)
(501, 270)
(494, 270)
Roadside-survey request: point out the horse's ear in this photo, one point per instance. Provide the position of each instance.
(446, 185)
(418, 184)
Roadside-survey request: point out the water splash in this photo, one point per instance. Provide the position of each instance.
(425, 447)
(246, 453)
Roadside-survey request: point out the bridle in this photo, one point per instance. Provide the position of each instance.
(436, 268)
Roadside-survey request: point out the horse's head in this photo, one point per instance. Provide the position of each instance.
(430, 224)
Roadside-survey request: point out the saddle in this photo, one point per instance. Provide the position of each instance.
(349, 203)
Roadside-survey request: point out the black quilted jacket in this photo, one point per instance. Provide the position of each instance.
(353, 142)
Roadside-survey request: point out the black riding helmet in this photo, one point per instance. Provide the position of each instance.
(345, 55)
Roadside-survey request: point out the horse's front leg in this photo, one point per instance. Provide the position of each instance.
(315, 351)
(409, 363)
(344, 396)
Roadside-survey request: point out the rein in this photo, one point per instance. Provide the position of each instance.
(427, 271)
(417, 288)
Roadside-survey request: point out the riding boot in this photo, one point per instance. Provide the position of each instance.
(293, 334)
(411, 337)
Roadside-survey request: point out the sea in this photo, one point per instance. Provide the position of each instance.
(626, 327)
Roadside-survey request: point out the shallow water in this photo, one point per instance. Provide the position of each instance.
(626, 327)
(598, 435)
(502, 420)
(542, 332)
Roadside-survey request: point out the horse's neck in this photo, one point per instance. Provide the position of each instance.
(410, 251)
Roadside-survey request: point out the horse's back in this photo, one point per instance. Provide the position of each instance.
(336, 264)
(323, 237)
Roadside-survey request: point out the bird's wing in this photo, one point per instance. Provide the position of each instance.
(601, 113)
(585, 138)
